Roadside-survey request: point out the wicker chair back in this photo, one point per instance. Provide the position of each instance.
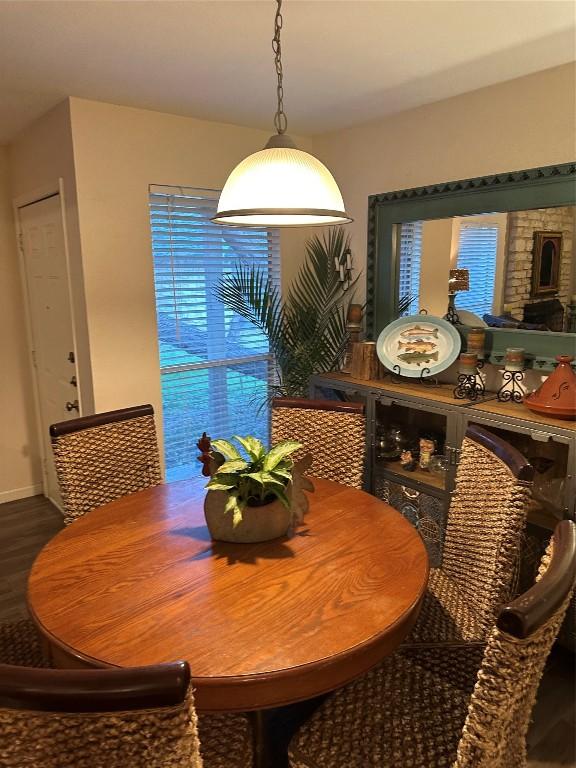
(20, 644)
(98, 718)
(486, 522)
(494, 734)
(455, 706)
(332, 432)
(100, 458)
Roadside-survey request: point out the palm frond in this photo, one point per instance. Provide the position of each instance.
(307, 334)
(404, 303)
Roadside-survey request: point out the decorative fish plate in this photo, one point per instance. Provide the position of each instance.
(418, 343)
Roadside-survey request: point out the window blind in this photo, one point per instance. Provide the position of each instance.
(409, 263)
(477, 252)
(215, 366)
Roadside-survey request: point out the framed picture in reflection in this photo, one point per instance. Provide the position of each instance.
(546, 263)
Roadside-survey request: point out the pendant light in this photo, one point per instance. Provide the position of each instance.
(280, 186)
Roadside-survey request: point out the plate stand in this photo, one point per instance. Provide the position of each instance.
(424, 378)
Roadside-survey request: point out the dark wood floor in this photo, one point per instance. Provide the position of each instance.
(26, 525)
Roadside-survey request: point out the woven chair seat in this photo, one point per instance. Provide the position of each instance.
(406, 713)
(20, 644)
(446, 616)
(459, 706)
(225, 741)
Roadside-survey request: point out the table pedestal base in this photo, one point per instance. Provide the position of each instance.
(261, 739)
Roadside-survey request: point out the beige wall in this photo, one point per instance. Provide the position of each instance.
(107, 156)
(20, 473)
(519, 124)
(118, 152)
(40, 157)
(435, 265)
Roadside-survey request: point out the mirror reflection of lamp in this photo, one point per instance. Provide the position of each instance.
(459, 280)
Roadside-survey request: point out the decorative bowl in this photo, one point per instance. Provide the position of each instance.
(556, 396)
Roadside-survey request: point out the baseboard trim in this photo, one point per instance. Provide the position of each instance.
(21, 493)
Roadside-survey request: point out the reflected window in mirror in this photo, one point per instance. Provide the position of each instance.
(410, 249)
(479, 241)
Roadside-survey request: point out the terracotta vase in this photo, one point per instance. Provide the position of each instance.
(263, 523)
(556, 396)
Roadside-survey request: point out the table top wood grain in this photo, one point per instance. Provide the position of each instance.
(139, 581)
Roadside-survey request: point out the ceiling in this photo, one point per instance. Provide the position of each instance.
(345, 61)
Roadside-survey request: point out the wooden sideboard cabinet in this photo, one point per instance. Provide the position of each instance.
(402, 413)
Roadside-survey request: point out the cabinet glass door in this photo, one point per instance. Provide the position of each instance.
(413, 459)
(413, 444)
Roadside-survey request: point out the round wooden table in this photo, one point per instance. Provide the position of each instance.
(139, 581)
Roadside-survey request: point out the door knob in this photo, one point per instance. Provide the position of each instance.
(72, 406)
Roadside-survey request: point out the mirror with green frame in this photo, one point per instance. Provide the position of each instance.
(496, 252)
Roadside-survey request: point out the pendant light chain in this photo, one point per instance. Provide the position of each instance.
(280, 185)
(280, 119)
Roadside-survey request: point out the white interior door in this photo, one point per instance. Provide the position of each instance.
(50, 315)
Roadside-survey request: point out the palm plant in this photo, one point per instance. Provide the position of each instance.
(307, 333)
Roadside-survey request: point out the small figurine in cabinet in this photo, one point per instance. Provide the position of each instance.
(407, 461)
(427, 448)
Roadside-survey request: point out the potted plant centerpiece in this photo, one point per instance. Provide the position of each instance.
(251, 492)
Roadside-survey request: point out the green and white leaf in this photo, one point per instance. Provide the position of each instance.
(217, 485)
(252, 446)
(266, 479)
(283, 498)
(221, 479)
(232, 467)
(227, 449)
(279, 452)
(285, 474)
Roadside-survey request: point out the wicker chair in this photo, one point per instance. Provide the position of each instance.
(122, 718)
(103, 457)
(486, 522)
(20, 644)
(449, 707)
(330, 430)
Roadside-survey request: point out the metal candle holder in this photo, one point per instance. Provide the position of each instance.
(510, 391)
(459, 281)
(451, 315)
(470, 385)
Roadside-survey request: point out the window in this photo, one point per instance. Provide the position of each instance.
(409, 264)
(478, 252)
(215, 366)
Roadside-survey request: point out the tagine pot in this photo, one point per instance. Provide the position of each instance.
(556, 396)
(262, 523)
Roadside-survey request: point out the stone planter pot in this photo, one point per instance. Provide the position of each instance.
(269, 521)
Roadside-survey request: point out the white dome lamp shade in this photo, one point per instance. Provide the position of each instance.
(280, 186)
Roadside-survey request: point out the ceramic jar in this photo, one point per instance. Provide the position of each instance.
(514, 359)
(476, 340)
(263, 523)
(556, 396)
(467, 363)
